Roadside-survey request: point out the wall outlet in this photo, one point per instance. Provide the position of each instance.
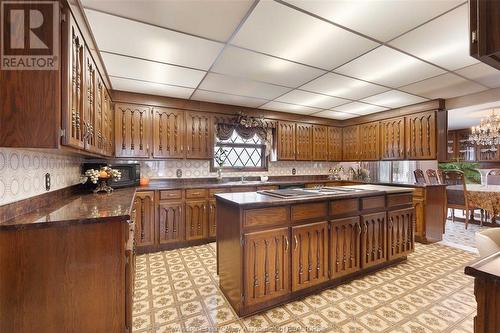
(294, 171)
(47, 181)
(178, 172)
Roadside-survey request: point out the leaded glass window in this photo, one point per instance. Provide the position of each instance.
(238, 153)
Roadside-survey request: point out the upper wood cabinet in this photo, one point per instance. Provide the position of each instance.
(320, 143)
(484, 24)
(168, 133)
(392, 139)
(132, 130)
(199, 135)
(350, 143)
(345, 244)
(420, 131)
(373, 239)
(89, 104)
(369, 141)
(144, 218)
(107, 125)
(286, 140)
(303, 145)
(334, 143)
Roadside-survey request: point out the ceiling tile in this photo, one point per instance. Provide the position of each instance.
(382, 20)
(311, 99)
(444, 86)
(216, 19)
(299, 37)
(215, 97)
(359, 108)
(443, 41)
(243, 87)
(483, 74)
(343, 86)
(335, 115)
(145, 41)
(151, 71)
(389, 67)
(255, 66)
(393, 99)
(292, 108)
(150, 88)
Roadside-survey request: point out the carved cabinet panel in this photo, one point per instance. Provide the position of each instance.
(145, 218)
(286, 140)
(303, 145)
(320, 143)
(212, 218)
(421, 136)
(196, 219)
(350, 143)
(199, 135)
(309, 255)
(373, 239)
(266, 265)
(171, 222)
(99, 113)
(107, 124)
(132, 130)
(369, 141)
(334, 143)
(89, 104)
(400, 231)
(345, 244)
(392, 139)
(168, 133)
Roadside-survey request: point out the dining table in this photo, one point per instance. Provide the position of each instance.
(486, 197)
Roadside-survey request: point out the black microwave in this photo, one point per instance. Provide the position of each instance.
(131, 173)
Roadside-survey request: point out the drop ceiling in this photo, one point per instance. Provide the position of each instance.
(332, 59)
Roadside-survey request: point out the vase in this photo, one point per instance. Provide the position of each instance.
(103, 186)
(484, 176)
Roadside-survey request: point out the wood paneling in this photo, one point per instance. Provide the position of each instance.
(196, 219)
(171, 222)
(373, 239)
(420, 131)
(320, 143)
(132, 130)
(345, 246)
(392, 138)
(334, 143)
(168, 133)
(369, 141)
(145, 218)
(286, 140)
(199, 135)
(350, 143)
(400, 231)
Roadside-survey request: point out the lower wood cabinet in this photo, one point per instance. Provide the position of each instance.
(309, 255)
(373, 239)
(145, 218)
(400, 231)
(266, 265)
(196, 219)
(212, 217)
(345, 236)
(171, 222)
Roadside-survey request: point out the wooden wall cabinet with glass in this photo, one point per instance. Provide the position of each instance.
(392, 139)
(350, 143)
(334, 143)
(286, 137)
(369, 141)
(420, 131)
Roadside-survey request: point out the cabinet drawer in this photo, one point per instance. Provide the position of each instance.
(213, 191)
(265, 216)
(170, 194)
(243, 189)
(373, 202)
(399, 200)
(267, 187)
(309, 211)
(344, 207)
(196, 193)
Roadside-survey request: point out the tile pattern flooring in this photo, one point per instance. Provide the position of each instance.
(176, 291)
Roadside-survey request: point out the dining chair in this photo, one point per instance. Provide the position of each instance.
(419, 176)
(432, 176)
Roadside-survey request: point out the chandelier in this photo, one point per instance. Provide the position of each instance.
(488, 132)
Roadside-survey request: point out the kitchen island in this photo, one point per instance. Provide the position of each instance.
(271, 250)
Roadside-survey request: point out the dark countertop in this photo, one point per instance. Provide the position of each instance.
(254, 199)
(77, 209)
(488, 267)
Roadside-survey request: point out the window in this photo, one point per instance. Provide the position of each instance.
(239, 154)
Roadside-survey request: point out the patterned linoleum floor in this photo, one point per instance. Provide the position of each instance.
(176, 291)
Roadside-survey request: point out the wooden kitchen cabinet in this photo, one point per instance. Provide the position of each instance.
(369, 141)
(303, 145)
(286, 140)
(199, 135)
(309, 255)
(373, 239)
(89, 107)
(345, 246)
(350, 143)
(171, 222)
(320, 143)
(145, 218)
(196, 219)
(168, 133)
(484, 25)
(334, 143)
(392, 139)
(267, 265)
(107, 125)
(400, 232)
(420, 131)
(132, 130)
(212, 218)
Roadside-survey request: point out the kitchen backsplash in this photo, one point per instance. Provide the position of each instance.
(22, 173)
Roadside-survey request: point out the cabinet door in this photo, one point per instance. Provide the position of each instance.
(309, 255)
(303, 143)
(212, 218)
(266, 265)
(89, 104)
(401, 239)
(98, 119)
(286, 140)
(196, 219)
(345, 246)
(199, 135)
(369, 141)
(145, 218)
(350, 147)
(334, 143)
(421, 136)
(392, 138)
(373, 239)
(168, 133)
(132, 130)
(107, 124)
(171, 222)
(484, 24)
(320, 143)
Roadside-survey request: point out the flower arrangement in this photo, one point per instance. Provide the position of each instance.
(101, 176)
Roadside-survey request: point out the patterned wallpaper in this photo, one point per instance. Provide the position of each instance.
(22, 172)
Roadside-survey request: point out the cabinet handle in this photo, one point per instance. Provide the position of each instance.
(296, 242)
(286, 244)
